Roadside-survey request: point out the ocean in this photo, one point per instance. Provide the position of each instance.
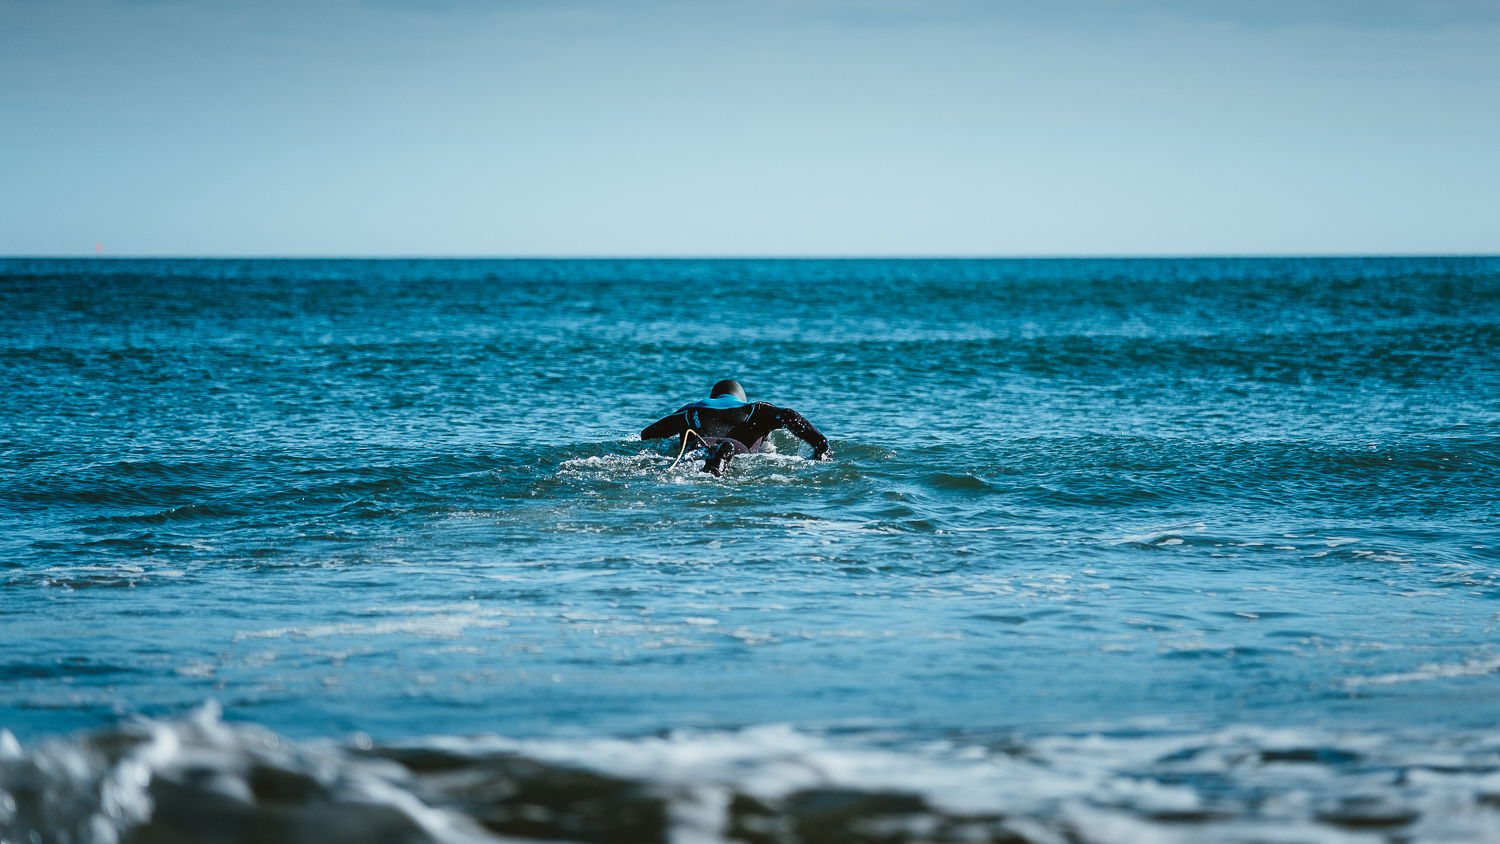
(1110, 550)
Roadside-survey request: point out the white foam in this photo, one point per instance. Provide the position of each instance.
(1432, 671)
(1089, 788)
(442, 626)
(74, 793)
(1239, 784)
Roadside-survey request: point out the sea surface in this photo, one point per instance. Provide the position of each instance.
(1146, 550)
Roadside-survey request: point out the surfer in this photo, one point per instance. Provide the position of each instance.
(727, 424)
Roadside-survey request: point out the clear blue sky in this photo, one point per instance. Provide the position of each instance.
(753, 127)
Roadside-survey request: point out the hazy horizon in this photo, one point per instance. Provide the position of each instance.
(1075, 256)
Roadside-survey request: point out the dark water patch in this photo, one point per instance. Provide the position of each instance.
(1095, 492)
(83, 490)
(1363, 813)
(515, 796)
(1256, 615)
(81, 578)
(363, 509)
(67, 667)
(157, 469)
(136, 545)
(186, 513)
(1217, 653)
(1310, 755)
(957, 483)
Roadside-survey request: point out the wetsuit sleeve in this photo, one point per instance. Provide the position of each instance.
(667, 426)
(794, 422)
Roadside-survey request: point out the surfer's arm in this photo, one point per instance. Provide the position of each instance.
(805, 431)
(667, 426)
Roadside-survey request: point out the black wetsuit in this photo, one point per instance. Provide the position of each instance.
(728, 426)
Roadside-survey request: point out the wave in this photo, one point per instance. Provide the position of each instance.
(200, 778)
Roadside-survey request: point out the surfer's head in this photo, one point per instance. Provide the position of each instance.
(728, 387)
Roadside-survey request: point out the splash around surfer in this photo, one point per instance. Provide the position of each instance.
(727, 424)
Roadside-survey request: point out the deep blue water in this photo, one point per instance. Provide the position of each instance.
(1143, 499)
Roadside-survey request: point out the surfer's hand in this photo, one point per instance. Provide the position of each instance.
(823, 452)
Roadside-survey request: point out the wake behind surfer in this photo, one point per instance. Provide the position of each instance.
(727, 424)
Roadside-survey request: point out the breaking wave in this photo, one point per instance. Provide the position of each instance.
(200, 778)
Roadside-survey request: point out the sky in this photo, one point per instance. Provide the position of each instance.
(749, 128)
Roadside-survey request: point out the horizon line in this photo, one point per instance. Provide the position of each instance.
(709, 257)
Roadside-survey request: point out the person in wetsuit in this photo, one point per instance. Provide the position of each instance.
(726, 424)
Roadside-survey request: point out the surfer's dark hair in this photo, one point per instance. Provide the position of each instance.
(728, 387)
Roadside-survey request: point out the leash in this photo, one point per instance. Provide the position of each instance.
(683, 450)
